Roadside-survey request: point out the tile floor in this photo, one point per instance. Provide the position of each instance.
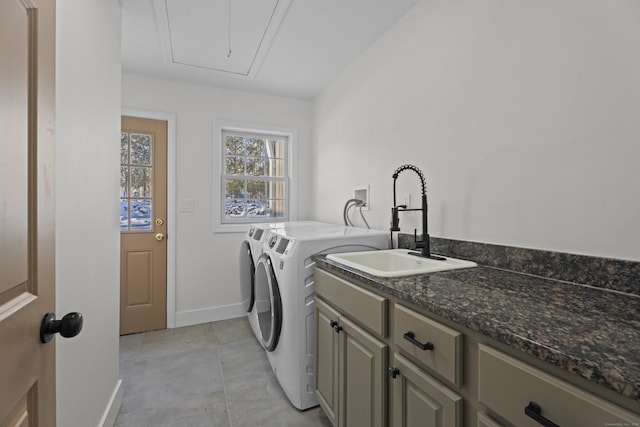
(210, 375)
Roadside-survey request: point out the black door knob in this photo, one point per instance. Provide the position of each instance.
(69, 326)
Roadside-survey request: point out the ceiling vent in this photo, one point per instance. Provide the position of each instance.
(224, 36)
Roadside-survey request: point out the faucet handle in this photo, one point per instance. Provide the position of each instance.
(395, 220)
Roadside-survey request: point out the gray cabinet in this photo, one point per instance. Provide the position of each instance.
(326, 360)
(380, 361)
(526, 396)
(362, 381)
(434, 345)
(485, 421)
(351, 362)
(421, 400)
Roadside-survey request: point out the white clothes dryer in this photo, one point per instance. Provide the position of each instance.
(284, 294)
(250, 251)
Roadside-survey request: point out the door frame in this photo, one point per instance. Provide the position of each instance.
(170, 118)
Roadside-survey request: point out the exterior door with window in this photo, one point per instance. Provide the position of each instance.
(27, 226)
(143, 216)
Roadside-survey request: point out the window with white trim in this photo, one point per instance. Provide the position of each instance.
(255, 177)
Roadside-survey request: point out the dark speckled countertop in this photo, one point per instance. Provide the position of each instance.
(589, 331)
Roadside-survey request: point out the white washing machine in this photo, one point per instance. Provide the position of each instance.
(250, 251)
(284, 293)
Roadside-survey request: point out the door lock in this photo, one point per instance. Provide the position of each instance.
(159, 221)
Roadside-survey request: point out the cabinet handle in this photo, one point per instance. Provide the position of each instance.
(333, 324)
(337, 328)
(393, 372)
(534, 411)
(411, 337)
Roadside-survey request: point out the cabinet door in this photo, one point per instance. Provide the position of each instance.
(420, 400)
(326, 360)
(363, 379)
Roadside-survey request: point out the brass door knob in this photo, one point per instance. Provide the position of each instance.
(160, 237)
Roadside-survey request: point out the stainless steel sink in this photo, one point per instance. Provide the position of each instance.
(397, 262)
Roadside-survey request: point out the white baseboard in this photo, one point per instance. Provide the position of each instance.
(210, 314)
(113, 408)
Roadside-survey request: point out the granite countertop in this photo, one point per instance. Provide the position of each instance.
(589, 331)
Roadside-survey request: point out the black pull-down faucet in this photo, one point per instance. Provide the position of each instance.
(423, 244)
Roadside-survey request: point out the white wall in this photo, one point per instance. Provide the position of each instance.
(522, 115)
(207, 263)
(87, 180)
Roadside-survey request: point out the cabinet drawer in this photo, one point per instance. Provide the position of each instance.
(485, 421)
(445, 357)
(370, 309)
(507, 386)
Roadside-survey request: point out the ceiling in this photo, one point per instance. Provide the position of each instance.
(287, 48)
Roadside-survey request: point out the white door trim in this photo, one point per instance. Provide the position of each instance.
(170, 118)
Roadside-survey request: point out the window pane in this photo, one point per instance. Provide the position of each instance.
(140, 149)
(124, 181)
(140, 214)
(275, 168)
(234, 189)
(257, 209)
(234, 165)
(234, 209)
(256, 189)
(255, 166)
(255, 147)
(275, 190)
(233, 145)
(140, 181)
(275, 148)
(124, 148)
(276, 208)
(124, 214)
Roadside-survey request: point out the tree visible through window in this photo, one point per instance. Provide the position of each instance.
(254, 177)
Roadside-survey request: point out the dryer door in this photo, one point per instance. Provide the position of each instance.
(247, 276)
(268, 303)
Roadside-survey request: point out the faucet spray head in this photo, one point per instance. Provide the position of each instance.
(423, 181)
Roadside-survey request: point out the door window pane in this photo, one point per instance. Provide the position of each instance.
(140, 181)
(140, 149)
(136, 192)
(124, 148)
(124, 181)
(124, 214)
(140, 214)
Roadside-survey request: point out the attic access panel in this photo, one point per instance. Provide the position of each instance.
(200, 33)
